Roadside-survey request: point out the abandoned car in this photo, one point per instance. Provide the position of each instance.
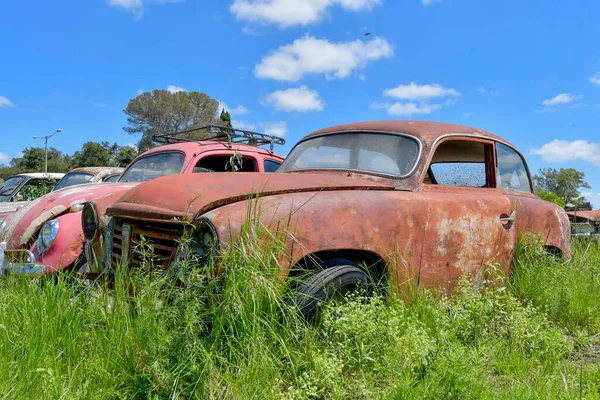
(419, 203)
(18, 190)
(46, 236)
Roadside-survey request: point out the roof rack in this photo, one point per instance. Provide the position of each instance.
(223, 134)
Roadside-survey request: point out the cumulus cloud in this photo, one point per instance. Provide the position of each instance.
(275, 128)
(4, 158)
(309, 55)
(564, 150)
(413, 91)
(562, 98)
(239, 110)
(175, 89)
(286, 13)
(399, 108)
(5, 102)
(595, 79)
(136, 7)
(483, 90)
(414, 99)
(295, 99)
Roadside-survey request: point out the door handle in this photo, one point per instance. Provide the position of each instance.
(509, 220)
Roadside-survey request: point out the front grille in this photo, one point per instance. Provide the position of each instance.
(144, 242)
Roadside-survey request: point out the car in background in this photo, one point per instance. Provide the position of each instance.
(79, 176)
(19, 190)
(46, 236)
(76, 176)
(410, 203)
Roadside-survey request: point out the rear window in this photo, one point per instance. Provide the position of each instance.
(74, 178)
(225, 163)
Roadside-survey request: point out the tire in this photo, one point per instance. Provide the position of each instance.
(339, 279)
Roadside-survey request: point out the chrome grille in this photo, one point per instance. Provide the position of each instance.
(160, 241)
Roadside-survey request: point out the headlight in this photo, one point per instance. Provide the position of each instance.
(47, 236)
(89, 221)
(204, 241)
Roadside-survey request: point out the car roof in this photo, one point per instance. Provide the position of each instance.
(54, 175)
(98, 170)
(428, 132)
(207, 145)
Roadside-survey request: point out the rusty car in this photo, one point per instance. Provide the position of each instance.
(46, 236)
(417, 203)
(585, 222)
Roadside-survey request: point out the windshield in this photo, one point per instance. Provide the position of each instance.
(74, 178)
(389, 154)
(153, 166)
(10, 185)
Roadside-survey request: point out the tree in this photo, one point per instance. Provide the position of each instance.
(160, 112)
(564, 183)
(551, 197)
(225, 118)
(124, 156)
(32, 160)
(94, 154)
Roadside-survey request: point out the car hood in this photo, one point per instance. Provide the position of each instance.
(23, 224)
(175, 196)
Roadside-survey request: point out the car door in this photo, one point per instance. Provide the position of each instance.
(468, 228)
(534, 218)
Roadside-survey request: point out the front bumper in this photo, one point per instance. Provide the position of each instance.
(19, 262)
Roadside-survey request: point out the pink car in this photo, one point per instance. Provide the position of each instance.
(46, 236)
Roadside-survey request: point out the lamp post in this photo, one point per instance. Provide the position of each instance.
(46, 147)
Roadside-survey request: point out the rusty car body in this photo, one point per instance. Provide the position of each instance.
(585, 222)
(420, 202)
(46, 236)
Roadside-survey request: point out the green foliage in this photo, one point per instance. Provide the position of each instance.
(564, 183)
(32, 192)
(160, 112)
(551, 197)
(225, 118)
(235, 336)
(94, 154)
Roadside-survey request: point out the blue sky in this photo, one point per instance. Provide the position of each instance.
(526, 70)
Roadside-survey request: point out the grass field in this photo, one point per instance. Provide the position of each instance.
(535, 336)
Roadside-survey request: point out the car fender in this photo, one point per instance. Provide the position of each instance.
(67, 247)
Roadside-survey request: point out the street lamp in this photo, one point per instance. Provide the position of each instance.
(46, 148)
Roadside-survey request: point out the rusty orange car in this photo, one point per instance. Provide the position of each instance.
(419, 203)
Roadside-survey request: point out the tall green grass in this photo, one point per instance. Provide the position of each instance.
(233, 335)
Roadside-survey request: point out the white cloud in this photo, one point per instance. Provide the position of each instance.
(140, 91)
(595, 79)
(4, 158)
(562, 98)
(175, 89)
(5, 102)
(564, 150)
(483, 90)
(243, 125)
(275, 128)
(406, 108)
(286, 13)
(429, 2)
(100, 105)
(309, 55)
(467, 115)
(239, 110)
(137, 6)
(295, 99)
(413, 91)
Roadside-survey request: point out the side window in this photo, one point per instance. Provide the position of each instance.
(460, 163)
(225, 164)
(511, 173)
(111, 178)
(271, 165)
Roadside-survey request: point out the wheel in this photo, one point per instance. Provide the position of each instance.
(331, 282)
